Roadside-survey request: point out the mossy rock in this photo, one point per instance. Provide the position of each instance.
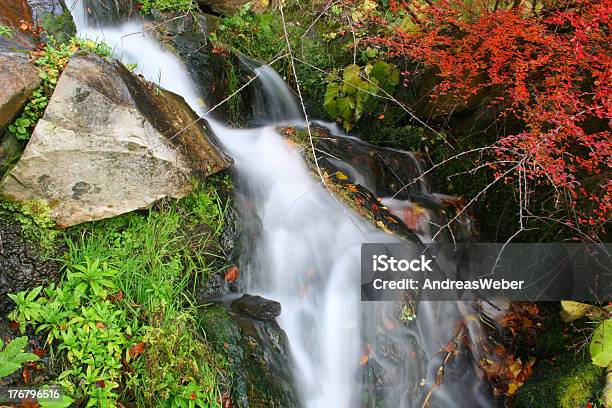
(60, 27)
(570, 382)
(257, 352)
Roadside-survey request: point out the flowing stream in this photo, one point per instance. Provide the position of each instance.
(308, 255)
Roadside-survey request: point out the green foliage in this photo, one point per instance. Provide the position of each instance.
(35, 220)
(12, 356)
(179, 364)
(91, 332)
(258, 35)
(52, 61)
(184, 6)
(121, 321)
(348, 97)
(6, 31)
(601, 344)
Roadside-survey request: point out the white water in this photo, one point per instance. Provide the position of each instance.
(307, 257)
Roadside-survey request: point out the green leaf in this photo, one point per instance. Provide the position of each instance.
(601, 344)
(13, 356)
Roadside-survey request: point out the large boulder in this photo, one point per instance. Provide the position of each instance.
(18, 79)
(110, 143)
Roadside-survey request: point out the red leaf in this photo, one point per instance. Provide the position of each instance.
(137, 349)
(226, 401)
(232, 274)
(13, 325)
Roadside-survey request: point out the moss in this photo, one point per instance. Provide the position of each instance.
(34, 218)
(569, 382)
(60, 27)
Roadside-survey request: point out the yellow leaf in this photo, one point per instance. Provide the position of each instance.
(341, 176)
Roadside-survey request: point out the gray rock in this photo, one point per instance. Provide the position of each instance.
(18, 79)
(42, 7)
(110, 143)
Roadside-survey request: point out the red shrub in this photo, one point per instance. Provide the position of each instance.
(552, 71)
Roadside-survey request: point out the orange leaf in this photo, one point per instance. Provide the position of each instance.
(364, 360)
(232, 274)
(25, 374)
(100, 325)
(137, 349)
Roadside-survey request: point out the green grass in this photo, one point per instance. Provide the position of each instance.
(122, 321)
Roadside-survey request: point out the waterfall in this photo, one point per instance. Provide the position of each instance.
(308, 255)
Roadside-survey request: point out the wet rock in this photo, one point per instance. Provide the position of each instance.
(110, 143)
(258, 353)
(257, 307)
(22, 264)
(108, 12)
(216, 71)
(18, 79)
(54, 17)
(386, 186)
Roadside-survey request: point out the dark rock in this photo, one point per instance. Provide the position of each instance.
(217, 71)
(386, 186)
(256, 307)
(22, 265)
(258, 353)
(108, 12)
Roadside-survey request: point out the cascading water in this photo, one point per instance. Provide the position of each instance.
(307, 258)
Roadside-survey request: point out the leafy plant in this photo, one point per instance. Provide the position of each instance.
(12, 356)
(601, 344)
(348, 97)
(121, 321)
